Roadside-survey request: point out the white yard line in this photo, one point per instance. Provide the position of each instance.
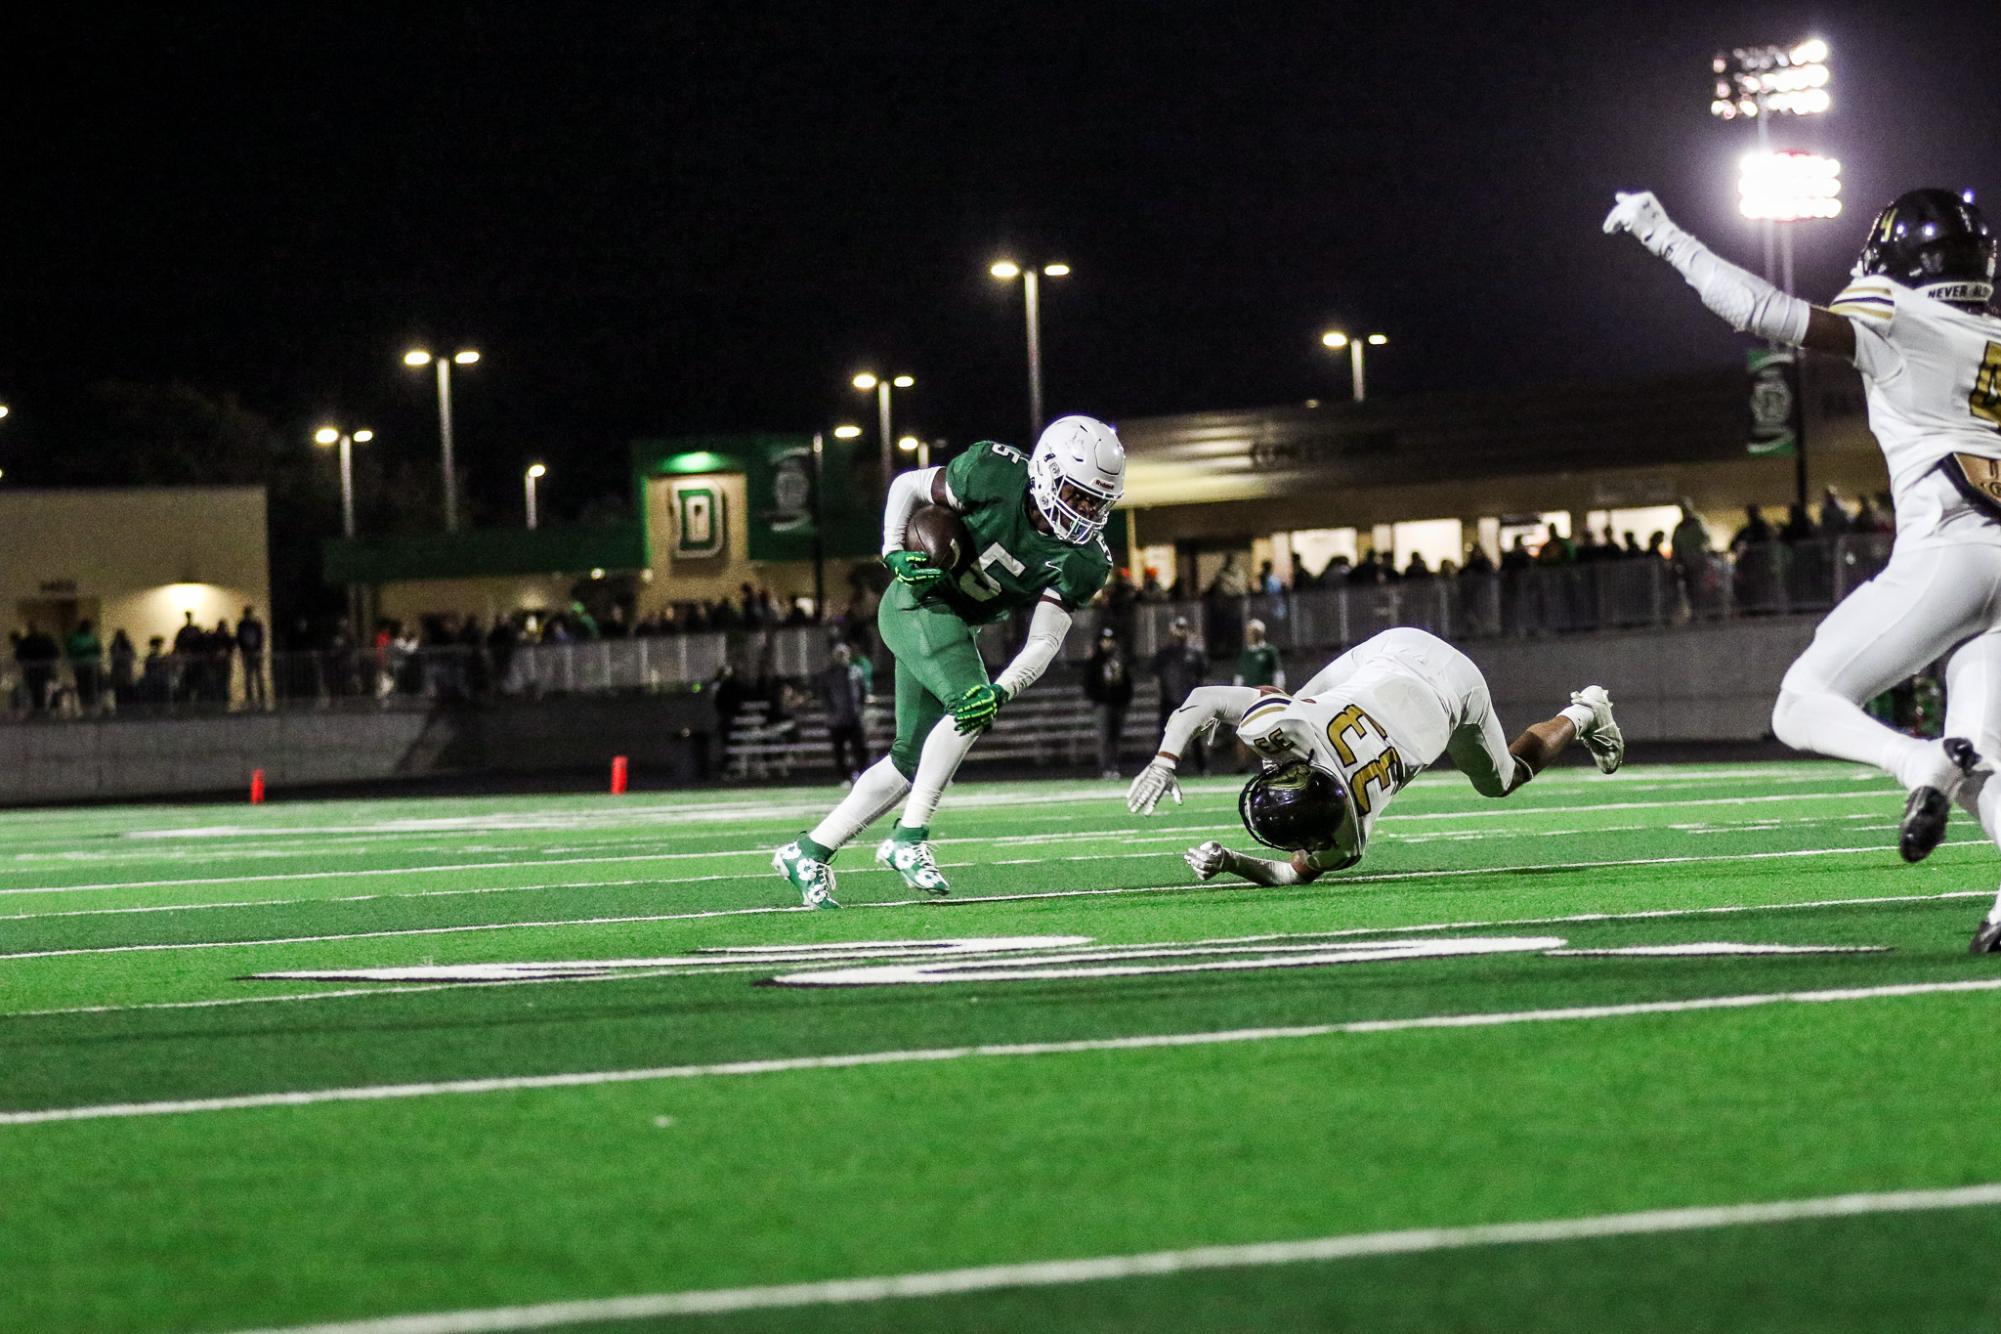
(1852, 822)
(1497, 810)
(934, 1055)
(554, 923)
(1565, 919)
(1154, 1264)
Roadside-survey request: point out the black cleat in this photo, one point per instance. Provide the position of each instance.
(1926, 809)
(1923, 828)
(1987, 940)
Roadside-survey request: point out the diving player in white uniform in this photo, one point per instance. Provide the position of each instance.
(1915, 321)
(1364, 726)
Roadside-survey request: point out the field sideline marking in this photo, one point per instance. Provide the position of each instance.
(1497, 811)
(1153, 1264)
(1206, 887)
(932, 1055)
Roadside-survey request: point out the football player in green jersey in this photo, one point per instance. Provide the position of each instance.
(1036, 523)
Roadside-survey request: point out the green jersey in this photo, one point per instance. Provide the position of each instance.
(1013, 562)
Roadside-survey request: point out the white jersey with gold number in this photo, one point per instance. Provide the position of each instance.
(1378, 715)
(1932, 374)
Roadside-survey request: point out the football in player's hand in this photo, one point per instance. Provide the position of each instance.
(941, 535)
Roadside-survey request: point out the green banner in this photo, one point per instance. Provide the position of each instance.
(1774, 402)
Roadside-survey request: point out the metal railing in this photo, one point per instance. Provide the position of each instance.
(1767, 579)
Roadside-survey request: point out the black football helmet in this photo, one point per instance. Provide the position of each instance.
(1934, 242)
(1296, 807)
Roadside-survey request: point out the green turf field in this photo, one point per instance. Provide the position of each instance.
(1421, 1096)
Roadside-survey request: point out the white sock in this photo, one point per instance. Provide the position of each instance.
(1826, 724)
(1580, 715)
(879, 788)
(944, 750)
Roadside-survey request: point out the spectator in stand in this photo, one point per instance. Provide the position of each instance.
(1556, 549)
(1121, 602)
(190, 666)
(124, 668)
(1417, 568)
(1690, 542)
(1223, 604)
(220, 646)
(1834, 520)
(1258, 664)
(156, 674)
(1588, 550)
(1108, 683)
(613, 625)
(85, 654)
(1337, 571)
(1755, 532)
(1477, 561)
(1302, 580)
(1150, 589)
(1656, 544)
(250, 644)
(1799, 526)
(1868, 520)
(1633, 550)
(843, 692)
(1179, 666)
(36, 655)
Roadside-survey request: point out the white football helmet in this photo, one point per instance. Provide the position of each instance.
(1076, 474)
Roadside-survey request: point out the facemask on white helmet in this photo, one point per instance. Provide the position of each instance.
(1076, 474)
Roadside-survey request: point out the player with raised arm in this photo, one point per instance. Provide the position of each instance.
(1034, 523)
(1916, 321)
(1364, 726)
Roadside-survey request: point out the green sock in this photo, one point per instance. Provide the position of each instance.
(815, 850)
(906, 833)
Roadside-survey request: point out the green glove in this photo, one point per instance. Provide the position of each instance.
(974, 711)
(913, 568)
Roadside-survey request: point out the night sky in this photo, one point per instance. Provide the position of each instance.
(669, 218)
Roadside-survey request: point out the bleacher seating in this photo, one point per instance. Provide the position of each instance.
(1054, 725)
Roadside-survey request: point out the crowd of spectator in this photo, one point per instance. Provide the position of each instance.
(80, 675)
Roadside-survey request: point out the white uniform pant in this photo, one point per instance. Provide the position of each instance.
(1471, 733)
(1931, 602)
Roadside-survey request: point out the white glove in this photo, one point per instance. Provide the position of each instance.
(1207, 860)
(1642, 215)
(1154, 782)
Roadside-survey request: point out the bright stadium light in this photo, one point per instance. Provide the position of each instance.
(1336, 339)
(1007, 271)
(848, 431)
(417, 358)
(1788, 186)
(1754, 81)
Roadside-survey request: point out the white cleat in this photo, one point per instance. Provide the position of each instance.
(1601, 736)
(916, 863)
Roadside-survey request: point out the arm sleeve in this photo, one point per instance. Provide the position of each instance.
(1046, 629)
(1746, 302)
(1205, 706)
(906, 493)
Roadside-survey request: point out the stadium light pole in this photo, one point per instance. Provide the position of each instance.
(1335, 339)
(882, 384)
(1007, 270)
(417, 358)
(328, 437)
(536, 472)
(1756, 83)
